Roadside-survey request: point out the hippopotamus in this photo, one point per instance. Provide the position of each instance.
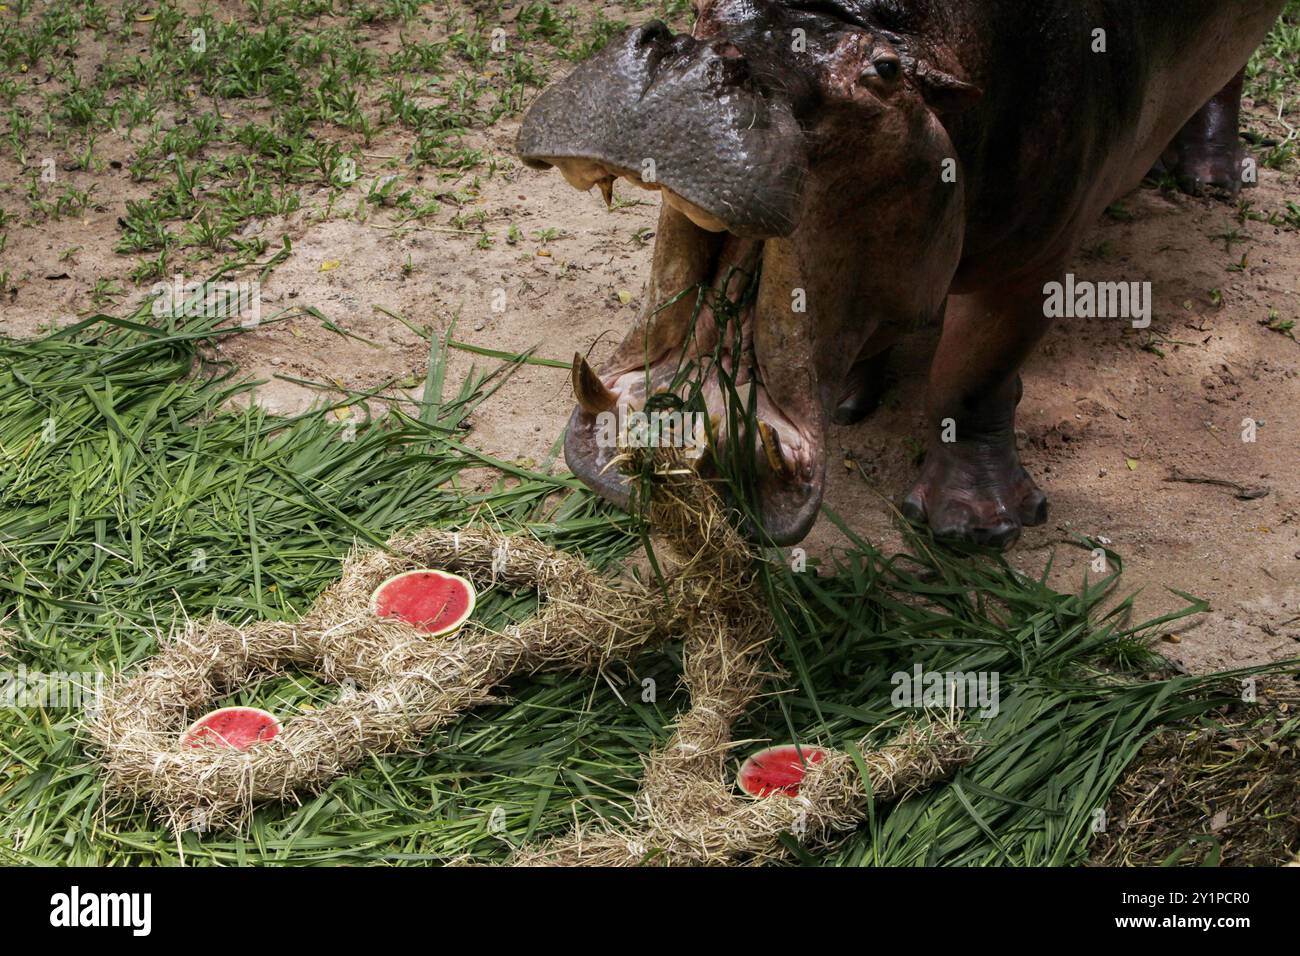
(837, 169)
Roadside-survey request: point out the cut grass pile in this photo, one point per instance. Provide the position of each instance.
(132, 490)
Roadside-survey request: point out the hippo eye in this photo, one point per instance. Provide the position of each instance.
(887, 68)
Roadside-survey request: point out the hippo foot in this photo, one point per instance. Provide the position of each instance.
(975, 493)
(1205, 168)
(864, 387)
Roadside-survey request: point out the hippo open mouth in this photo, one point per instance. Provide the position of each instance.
(696, 122)
(704, 339)
(797, 155)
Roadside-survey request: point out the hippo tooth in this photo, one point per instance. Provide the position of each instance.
(607, 190)
(637, 181)
(592, 394)
(577, 178)
(776, 459)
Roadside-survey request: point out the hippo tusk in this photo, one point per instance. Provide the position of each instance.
(593, 395)
(607, 190)
(776, 459)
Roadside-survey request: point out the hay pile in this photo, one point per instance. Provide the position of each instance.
(408, 684)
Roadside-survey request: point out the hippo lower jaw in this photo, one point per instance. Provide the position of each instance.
(713, 334)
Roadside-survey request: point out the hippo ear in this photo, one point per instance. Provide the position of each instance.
(943, 91)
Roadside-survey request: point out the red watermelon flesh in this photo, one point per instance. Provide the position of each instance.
(235, 727)
(434, 602)
(777, 770)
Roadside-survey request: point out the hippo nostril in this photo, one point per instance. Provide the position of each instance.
(653, 33)
(682, 43)
(727, 71)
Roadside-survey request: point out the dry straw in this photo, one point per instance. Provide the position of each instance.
(402, 685)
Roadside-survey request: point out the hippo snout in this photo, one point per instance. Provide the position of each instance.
(669, 112)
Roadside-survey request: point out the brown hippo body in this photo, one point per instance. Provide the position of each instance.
(836, 169)
(1062, 131)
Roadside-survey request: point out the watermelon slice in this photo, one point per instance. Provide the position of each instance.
(435, 602)
(235, 727)
(777, 770)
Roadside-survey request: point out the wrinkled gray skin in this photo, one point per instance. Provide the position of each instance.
(820, 169)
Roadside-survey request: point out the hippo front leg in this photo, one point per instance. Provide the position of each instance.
(972, 486)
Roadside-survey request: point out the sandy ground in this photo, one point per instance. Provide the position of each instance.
(1105, 419)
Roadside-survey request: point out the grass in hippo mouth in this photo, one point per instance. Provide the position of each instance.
(730, 356)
